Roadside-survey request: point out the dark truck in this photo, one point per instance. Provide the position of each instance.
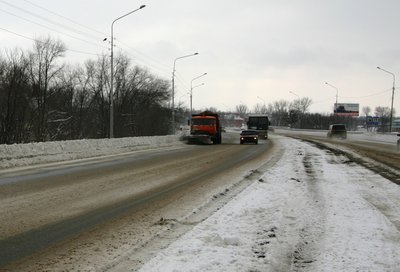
(337, 131)
(259, 123)
(205, 127)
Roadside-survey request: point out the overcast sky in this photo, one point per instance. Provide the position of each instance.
(253, 51)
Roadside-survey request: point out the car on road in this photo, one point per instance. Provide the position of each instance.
(337, 131)
(249, 136)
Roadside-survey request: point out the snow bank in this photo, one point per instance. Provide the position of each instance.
(35, 153)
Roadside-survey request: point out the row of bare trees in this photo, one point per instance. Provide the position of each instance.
(42, 99)
(295, 114)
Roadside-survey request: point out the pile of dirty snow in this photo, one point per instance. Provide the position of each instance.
(35, 153)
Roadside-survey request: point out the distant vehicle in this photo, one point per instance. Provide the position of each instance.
(205, 127)
(259, 123)
(337, 131)
(249, 136)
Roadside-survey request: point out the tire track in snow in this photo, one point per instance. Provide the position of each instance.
(313, 223)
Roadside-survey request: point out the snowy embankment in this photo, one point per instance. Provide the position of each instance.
(17, 155)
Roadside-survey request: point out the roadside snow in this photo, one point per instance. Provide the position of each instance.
(310, 212)
(36, 153)
(388, 138)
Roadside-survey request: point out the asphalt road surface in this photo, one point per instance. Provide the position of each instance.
(66, 213)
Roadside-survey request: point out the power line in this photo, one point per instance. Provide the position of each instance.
(51, 22)
(65, 18)
(137, 62)
(162, 66)
(365, 96)
(26, 37)
(41, 25)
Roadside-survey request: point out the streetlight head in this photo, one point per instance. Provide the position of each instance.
(142, 6)
(195, 54)
(378, 67)
(326, 82)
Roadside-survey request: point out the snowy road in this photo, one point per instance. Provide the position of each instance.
(59, 207)
(298, 206)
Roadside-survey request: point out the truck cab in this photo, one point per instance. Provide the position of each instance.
(259, 123)
(205, 127)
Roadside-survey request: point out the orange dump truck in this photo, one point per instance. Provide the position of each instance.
(205, 127)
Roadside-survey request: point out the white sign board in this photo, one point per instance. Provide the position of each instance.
(346, 109)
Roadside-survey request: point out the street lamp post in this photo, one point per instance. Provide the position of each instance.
(337, 91)
(191, 90)
(191, 96)
(173, 90)
(112, 71)
(391, 108)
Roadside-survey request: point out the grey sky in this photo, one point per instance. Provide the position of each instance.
(253, 51)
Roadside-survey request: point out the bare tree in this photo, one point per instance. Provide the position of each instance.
(97, 84)
(43, 68)
(280, 112)
(62, 114)
(14, 98)
(297, 109)
(384, 114)
(301, 105)
(260, 109)
(242, 110)
(366, 110)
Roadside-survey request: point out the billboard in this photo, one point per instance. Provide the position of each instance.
(346, 109)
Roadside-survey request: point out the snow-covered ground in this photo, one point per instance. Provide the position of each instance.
(312, 211)
(390, 138)
(17, 155)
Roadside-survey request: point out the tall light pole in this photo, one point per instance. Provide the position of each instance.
(173, 91)
(191, 90)
(191, 96)
(337, 91)
(391, 108)
(112, 71)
